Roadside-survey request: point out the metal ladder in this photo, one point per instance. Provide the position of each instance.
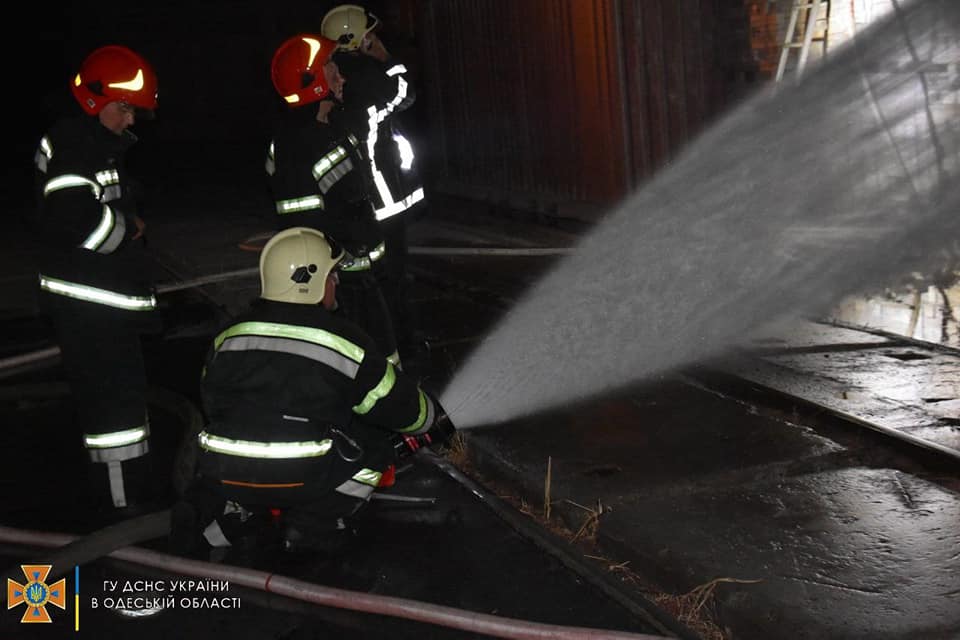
(812, 11)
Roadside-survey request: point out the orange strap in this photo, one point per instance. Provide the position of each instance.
(255, 485)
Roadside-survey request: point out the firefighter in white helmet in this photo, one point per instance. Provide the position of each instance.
(376, 98)
(305, 414)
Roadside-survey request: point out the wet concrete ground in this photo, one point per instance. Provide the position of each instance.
(822, 529)
(905, 387)
(695, 488)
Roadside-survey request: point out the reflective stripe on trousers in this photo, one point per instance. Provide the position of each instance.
(113, 449)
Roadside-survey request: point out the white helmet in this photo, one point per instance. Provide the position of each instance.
(294, 265)
(347, 24)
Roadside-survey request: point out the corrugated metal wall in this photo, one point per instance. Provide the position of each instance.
(566, 104)
(525, 100)
(675, 80)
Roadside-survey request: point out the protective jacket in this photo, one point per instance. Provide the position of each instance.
(85, 218)
(319, 180)
(375, 92)
(301, 402)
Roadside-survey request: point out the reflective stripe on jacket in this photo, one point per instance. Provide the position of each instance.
(83, 220)
(377, 92)
(282, 381)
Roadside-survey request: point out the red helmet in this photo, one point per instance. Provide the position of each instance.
(297, 68)
(114, 73)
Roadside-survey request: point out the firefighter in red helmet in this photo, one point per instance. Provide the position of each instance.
(319, 179)
(93, 276)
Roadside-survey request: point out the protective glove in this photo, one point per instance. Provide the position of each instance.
(442, 429)
(438, 434)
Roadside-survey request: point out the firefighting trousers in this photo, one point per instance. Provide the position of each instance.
(218, 512)
(360, 300)
(102, 359)
(395, 284)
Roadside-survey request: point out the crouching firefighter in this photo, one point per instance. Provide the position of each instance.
(93, 273)
(304, 413)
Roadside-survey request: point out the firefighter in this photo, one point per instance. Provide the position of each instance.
(93, 277)
(378, 89)
(305, 414)
(319, 180)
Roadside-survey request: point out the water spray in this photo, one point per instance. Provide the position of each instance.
(805, 193)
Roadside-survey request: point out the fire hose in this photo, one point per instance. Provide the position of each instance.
(74, 550)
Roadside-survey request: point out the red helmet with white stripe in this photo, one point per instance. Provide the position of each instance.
(115, 73)
(297, 69)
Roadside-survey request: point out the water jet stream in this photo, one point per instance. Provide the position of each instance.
(803, 194)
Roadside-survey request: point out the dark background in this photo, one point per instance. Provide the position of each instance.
(556, 108)
(212, 59)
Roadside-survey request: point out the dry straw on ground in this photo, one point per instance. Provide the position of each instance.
(696, 609)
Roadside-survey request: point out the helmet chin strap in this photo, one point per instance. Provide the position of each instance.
(329, 300)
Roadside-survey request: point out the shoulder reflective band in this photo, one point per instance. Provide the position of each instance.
(270, 164)
(381, 390)
(265, 450)
(97, 296)
(396, 69)
(327, 356)
(115, 439)
(364, 262)
(293, 332)
(330, 168)
(109, 233)
(44, 154)
(424, 417)
(70, 181)
(297, 205)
